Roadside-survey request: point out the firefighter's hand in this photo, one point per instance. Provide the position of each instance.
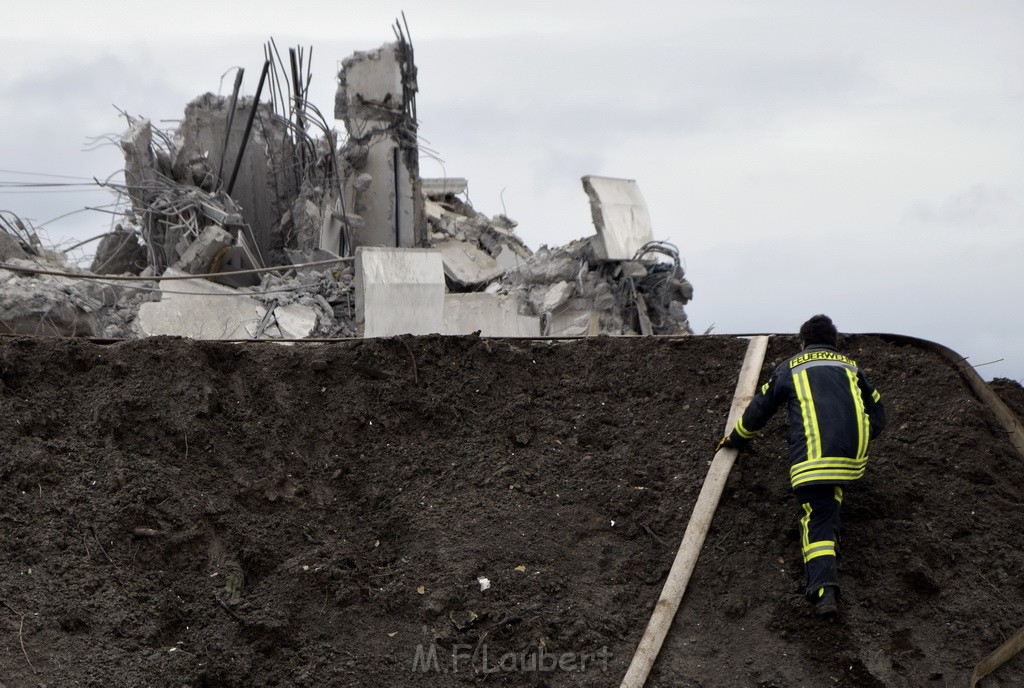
(727, 443)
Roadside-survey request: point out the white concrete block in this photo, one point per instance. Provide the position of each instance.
(494, 315)
(399, 291)
(620, 216)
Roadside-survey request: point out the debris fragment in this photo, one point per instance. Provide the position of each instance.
(146, 532)
(463, 620)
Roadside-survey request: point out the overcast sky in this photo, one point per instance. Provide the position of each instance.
(860, 159)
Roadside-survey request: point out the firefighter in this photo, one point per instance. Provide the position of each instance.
(834, 413)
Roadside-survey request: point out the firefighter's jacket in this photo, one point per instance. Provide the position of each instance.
(833, 415)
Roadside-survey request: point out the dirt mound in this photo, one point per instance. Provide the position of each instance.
(198, 514)
(1012, 394)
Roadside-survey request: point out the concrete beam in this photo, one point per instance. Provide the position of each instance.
(445, 186)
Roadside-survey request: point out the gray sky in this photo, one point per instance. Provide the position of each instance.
(860, 159)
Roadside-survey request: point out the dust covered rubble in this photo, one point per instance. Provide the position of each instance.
(32, 303)
(572, 289)
(244, 184)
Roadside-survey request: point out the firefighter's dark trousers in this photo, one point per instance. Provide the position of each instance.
(819, 534)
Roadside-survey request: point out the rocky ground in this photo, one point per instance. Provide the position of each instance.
(180, 513)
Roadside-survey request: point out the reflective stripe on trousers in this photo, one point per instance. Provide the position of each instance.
(819, 533)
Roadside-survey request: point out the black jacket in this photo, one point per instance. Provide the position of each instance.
(833, 414)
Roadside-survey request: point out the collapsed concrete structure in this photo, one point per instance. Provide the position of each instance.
(324, 235)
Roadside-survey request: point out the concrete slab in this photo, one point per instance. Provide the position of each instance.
(399, 291)
(620, 216)
(207, 310)
(493, 315)
(467, 265)
(445, 186)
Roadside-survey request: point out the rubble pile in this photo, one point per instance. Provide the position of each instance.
(59, 306)
(329, 293)
(269, 207)
(573, 289)
(35, 303)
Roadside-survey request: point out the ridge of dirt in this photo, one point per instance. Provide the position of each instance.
(313, 514)
(1012, 394)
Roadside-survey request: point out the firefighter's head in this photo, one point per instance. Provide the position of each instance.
(819, 330)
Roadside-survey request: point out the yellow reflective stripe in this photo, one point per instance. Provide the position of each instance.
(821, 548)
(839, 462)
(839, 494)
(805, 533)
(813, 476)
(803, 393)
(764, 388)
(875, 396)
(742, 431)
(818, 544)
(862, 416)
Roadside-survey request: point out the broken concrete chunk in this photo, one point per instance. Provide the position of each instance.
(10, 248)
(466, 265)
(549, 265)
(200, 309)
(570, 323)
(620, 216)
(492, 315)
(198, 257)
(46, 307)
(370, 85)
(546, 299)
(399, 291)
(633, 269)
(508, 259)
(293, 321)
(139, 163)
(447, 186)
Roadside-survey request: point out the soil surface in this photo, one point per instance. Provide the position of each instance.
(179, 513)
(1012, 394)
